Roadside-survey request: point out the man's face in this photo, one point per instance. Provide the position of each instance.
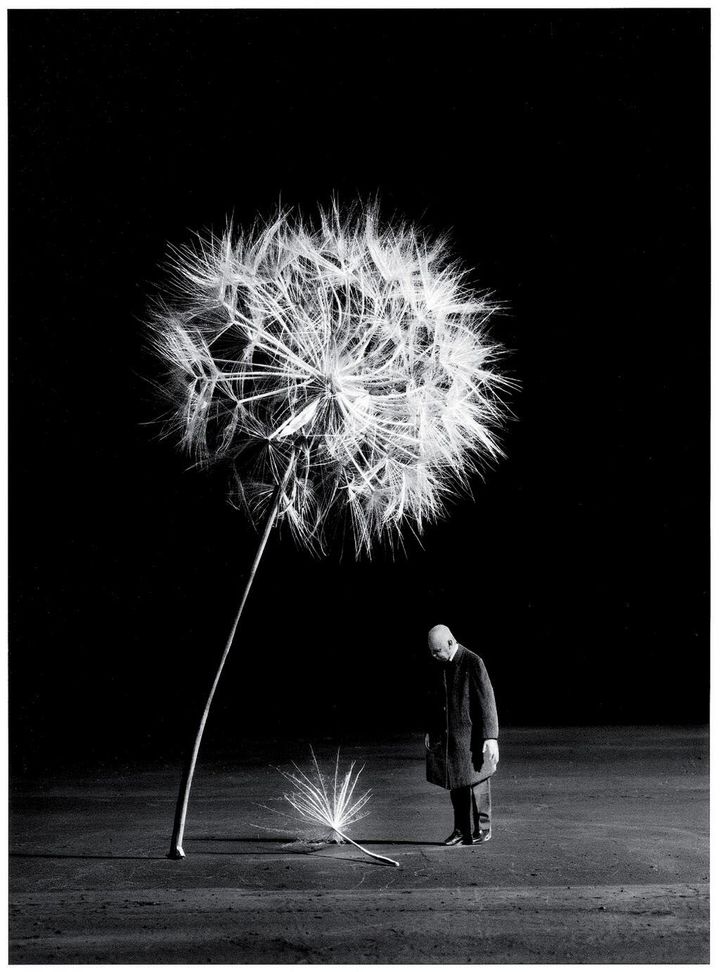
(441, 646)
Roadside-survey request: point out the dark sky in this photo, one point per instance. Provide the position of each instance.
(568, 151)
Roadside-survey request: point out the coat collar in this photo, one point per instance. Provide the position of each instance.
(457, 656)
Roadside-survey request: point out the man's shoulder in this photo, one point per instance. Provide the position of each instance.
(471, 657)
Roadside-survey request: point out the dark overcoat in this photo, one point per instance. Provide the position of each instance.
(461, 715)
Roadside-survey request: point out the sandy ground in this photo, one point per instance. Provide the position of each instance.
(599, 854)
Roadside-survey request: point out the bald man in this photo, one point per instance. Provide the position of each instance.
(461, 744)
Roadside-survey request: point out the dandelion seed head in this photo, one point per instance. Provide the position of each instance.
(322, 805)
(351, 349)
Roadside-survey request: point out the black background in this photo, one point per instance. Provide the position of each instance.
(569, 154)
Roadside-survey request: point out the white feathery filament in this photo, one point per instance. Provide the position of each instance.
(323, 806)
(352, 349)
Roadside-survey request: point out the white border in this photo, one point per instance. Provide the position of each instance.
(325, 5)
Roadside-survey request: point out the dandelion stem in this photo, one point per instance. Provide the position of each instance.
(176, 850)
(378, 857)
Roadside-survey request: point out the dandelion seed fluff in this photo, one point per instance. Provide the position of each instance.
(323, 806)
(349, 348)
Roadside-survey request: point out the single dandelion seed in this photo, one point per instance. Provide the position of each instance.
(323, 807)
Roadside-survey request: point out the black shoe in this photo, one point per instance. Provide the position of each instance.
(482, 836)
(454, 838)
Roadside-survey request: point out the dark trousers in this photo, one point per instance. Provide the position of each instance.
(472, 807)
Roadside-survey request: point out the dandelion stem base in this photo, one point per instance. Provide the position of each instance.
(176, 851)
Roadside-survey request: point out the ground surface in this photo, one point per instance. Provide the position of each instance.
(599, 854)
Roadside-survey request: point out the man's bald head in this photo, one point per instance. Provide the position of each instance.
(441, 642)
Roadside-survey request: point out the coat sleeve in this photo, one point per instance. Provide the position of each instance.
(483, 710)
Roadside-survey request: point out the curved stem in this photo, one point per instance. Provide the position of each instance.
(176, 851)
(378, 857)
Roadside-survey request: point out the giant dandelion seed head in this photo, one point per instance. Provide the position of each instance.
(347, 357)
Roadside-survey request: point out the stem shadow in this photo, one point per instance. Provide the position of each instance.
(282, 840)
(91, 857)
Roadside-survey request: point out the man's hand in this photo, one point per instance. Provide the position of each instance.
(490, 746)
(427, 740)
